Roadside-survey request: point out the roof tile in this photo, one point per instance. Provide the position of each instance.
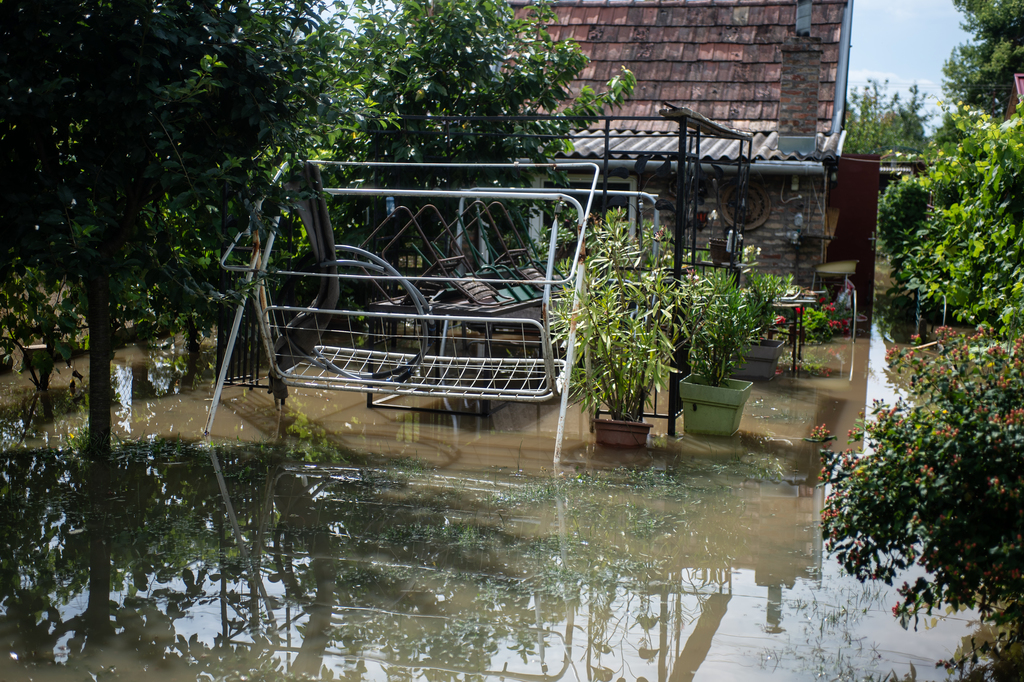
(726, 52)
(669, 51)
(678, 16)
(702, 16)
(719, 57)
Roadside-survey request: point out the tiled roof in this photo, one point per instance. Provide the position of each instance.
(721, 58)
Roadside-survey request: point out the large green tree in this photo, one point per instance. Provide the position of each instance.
(116, 115)
(980, 72)
(879, 123)
(468, 58)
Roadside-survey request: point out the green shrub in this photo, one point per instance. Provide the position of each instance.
(816, 326)
(762, 292)
(625, 321)
(941, 485)
(902, 215)
(973, 256)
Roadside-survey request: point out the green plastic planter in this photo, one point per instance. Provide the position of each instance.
(712, 410)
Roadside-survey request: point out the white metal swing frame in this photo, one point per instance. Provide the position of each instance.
(520, 371)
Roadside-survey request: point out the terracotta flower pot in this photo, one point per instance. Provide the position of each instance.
(620, 434)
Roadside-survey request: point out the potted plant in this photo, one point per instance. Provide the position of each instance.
(626, 330)
(718, 327)
(762, 291)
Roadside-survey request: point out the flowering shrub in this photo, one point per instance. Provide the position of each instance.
(750, 255)
(838, 319)
(942, 488)
(826, 320)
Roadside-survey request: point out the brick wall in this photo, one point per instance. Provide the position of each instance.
(798, 97)
(778, 252)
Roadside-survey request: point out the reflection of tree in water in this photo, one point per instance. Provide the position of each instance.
(467, 574)
(28, 415)
(369, 572)
(108, 557)
(166, 371)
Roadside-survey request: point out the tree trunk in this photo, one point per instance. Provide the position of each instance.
(194, 339)
(99, 365)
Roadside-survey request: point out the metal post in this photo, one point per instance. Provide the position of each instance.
(235, 325)
(570, 360)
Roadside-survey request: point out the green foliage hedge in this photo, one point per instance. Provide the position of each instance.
(956, 234)
(941, 484)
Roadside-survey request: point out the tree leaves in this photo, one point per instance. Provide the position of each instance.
(980, 72)
(879, 124)
(941, 484)
(956, 232)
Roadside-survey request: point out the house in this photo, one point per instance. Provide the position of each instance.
(774, 68)
(1016, 95)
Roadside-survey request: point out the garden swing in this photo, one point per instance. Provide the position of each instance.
(442, 299)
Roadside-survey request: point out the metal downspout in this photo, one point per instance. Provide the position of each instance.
(842, 70)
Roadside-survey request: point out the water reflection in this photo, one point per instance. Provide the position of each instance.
(158, 391)
(392, 544)
(364, 571)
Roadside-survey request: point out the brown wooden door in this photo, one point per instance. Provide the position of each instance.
(856, 197)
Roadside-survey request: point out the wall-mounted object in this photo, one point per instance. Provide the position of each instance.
(759, 206)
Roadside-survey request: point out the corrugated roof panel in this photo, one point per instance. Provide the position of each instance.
(630, 143)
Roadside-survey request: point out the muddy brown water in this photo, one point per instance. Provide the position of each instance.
(385, 544)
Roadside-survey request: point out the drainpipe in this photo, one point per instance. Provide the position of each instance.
(842, 69)
(761, 167)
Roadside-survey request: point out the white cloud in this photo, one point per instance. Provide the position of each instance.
(897, 82)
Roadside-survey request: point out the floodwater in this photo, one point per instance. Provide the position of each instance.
(333, 540)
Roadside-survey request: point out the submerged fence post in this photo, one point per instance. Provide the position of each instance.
(570, 360)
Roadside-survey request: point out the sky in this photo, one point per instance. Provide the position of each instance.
(904, 42)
